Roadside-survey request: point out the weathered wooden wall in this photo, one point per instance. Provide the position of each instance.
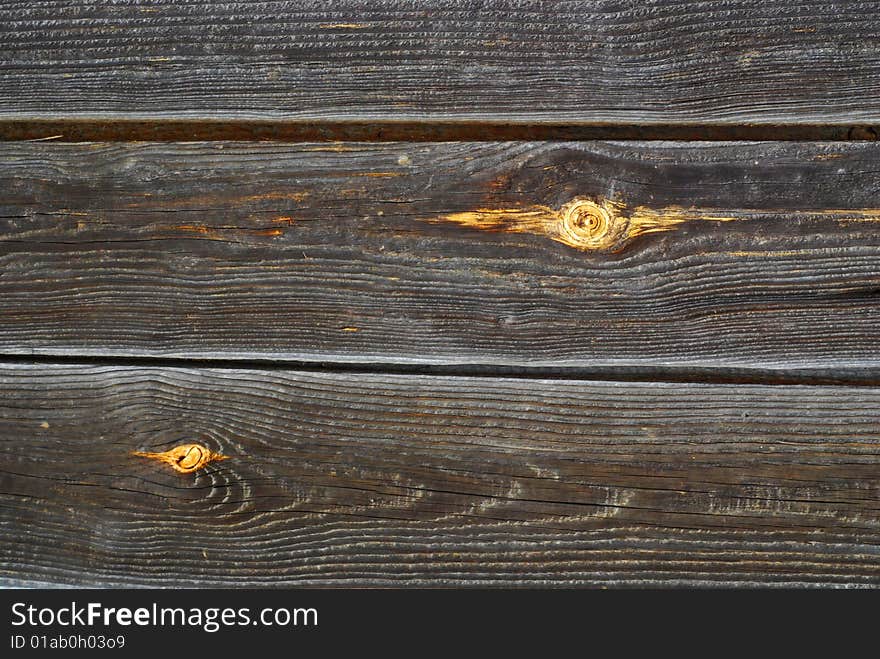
(449, 359)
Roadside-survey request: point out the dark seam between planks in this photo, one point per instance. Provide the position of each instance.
(174, 130)
(849, 377)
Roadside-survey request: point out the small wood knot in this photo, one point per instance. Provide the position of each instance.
(185, 458)
(588, 225)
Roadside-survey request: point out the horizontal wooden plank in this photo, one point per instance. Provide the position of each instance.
(760, 256)
(413, 480)
(596, 61)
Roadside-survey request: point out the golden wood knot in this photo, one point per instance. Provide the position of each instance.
(586, 224)
(590, 225)
(185, 458)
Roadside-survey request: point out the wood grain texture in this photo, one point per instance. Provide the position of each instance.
(401, 480)
(596, 61)
(760, 256)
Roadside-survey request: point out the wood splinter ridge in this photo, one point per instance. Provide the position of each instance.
(186, 458)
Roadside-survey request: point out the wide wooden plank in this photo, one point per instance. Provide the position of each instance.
(651, 255)
(595, 61)
(416, 480)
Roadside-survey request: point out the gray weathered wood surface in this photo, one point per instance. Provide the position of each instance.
(597, 61)
(401, 480)
(345, 249)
